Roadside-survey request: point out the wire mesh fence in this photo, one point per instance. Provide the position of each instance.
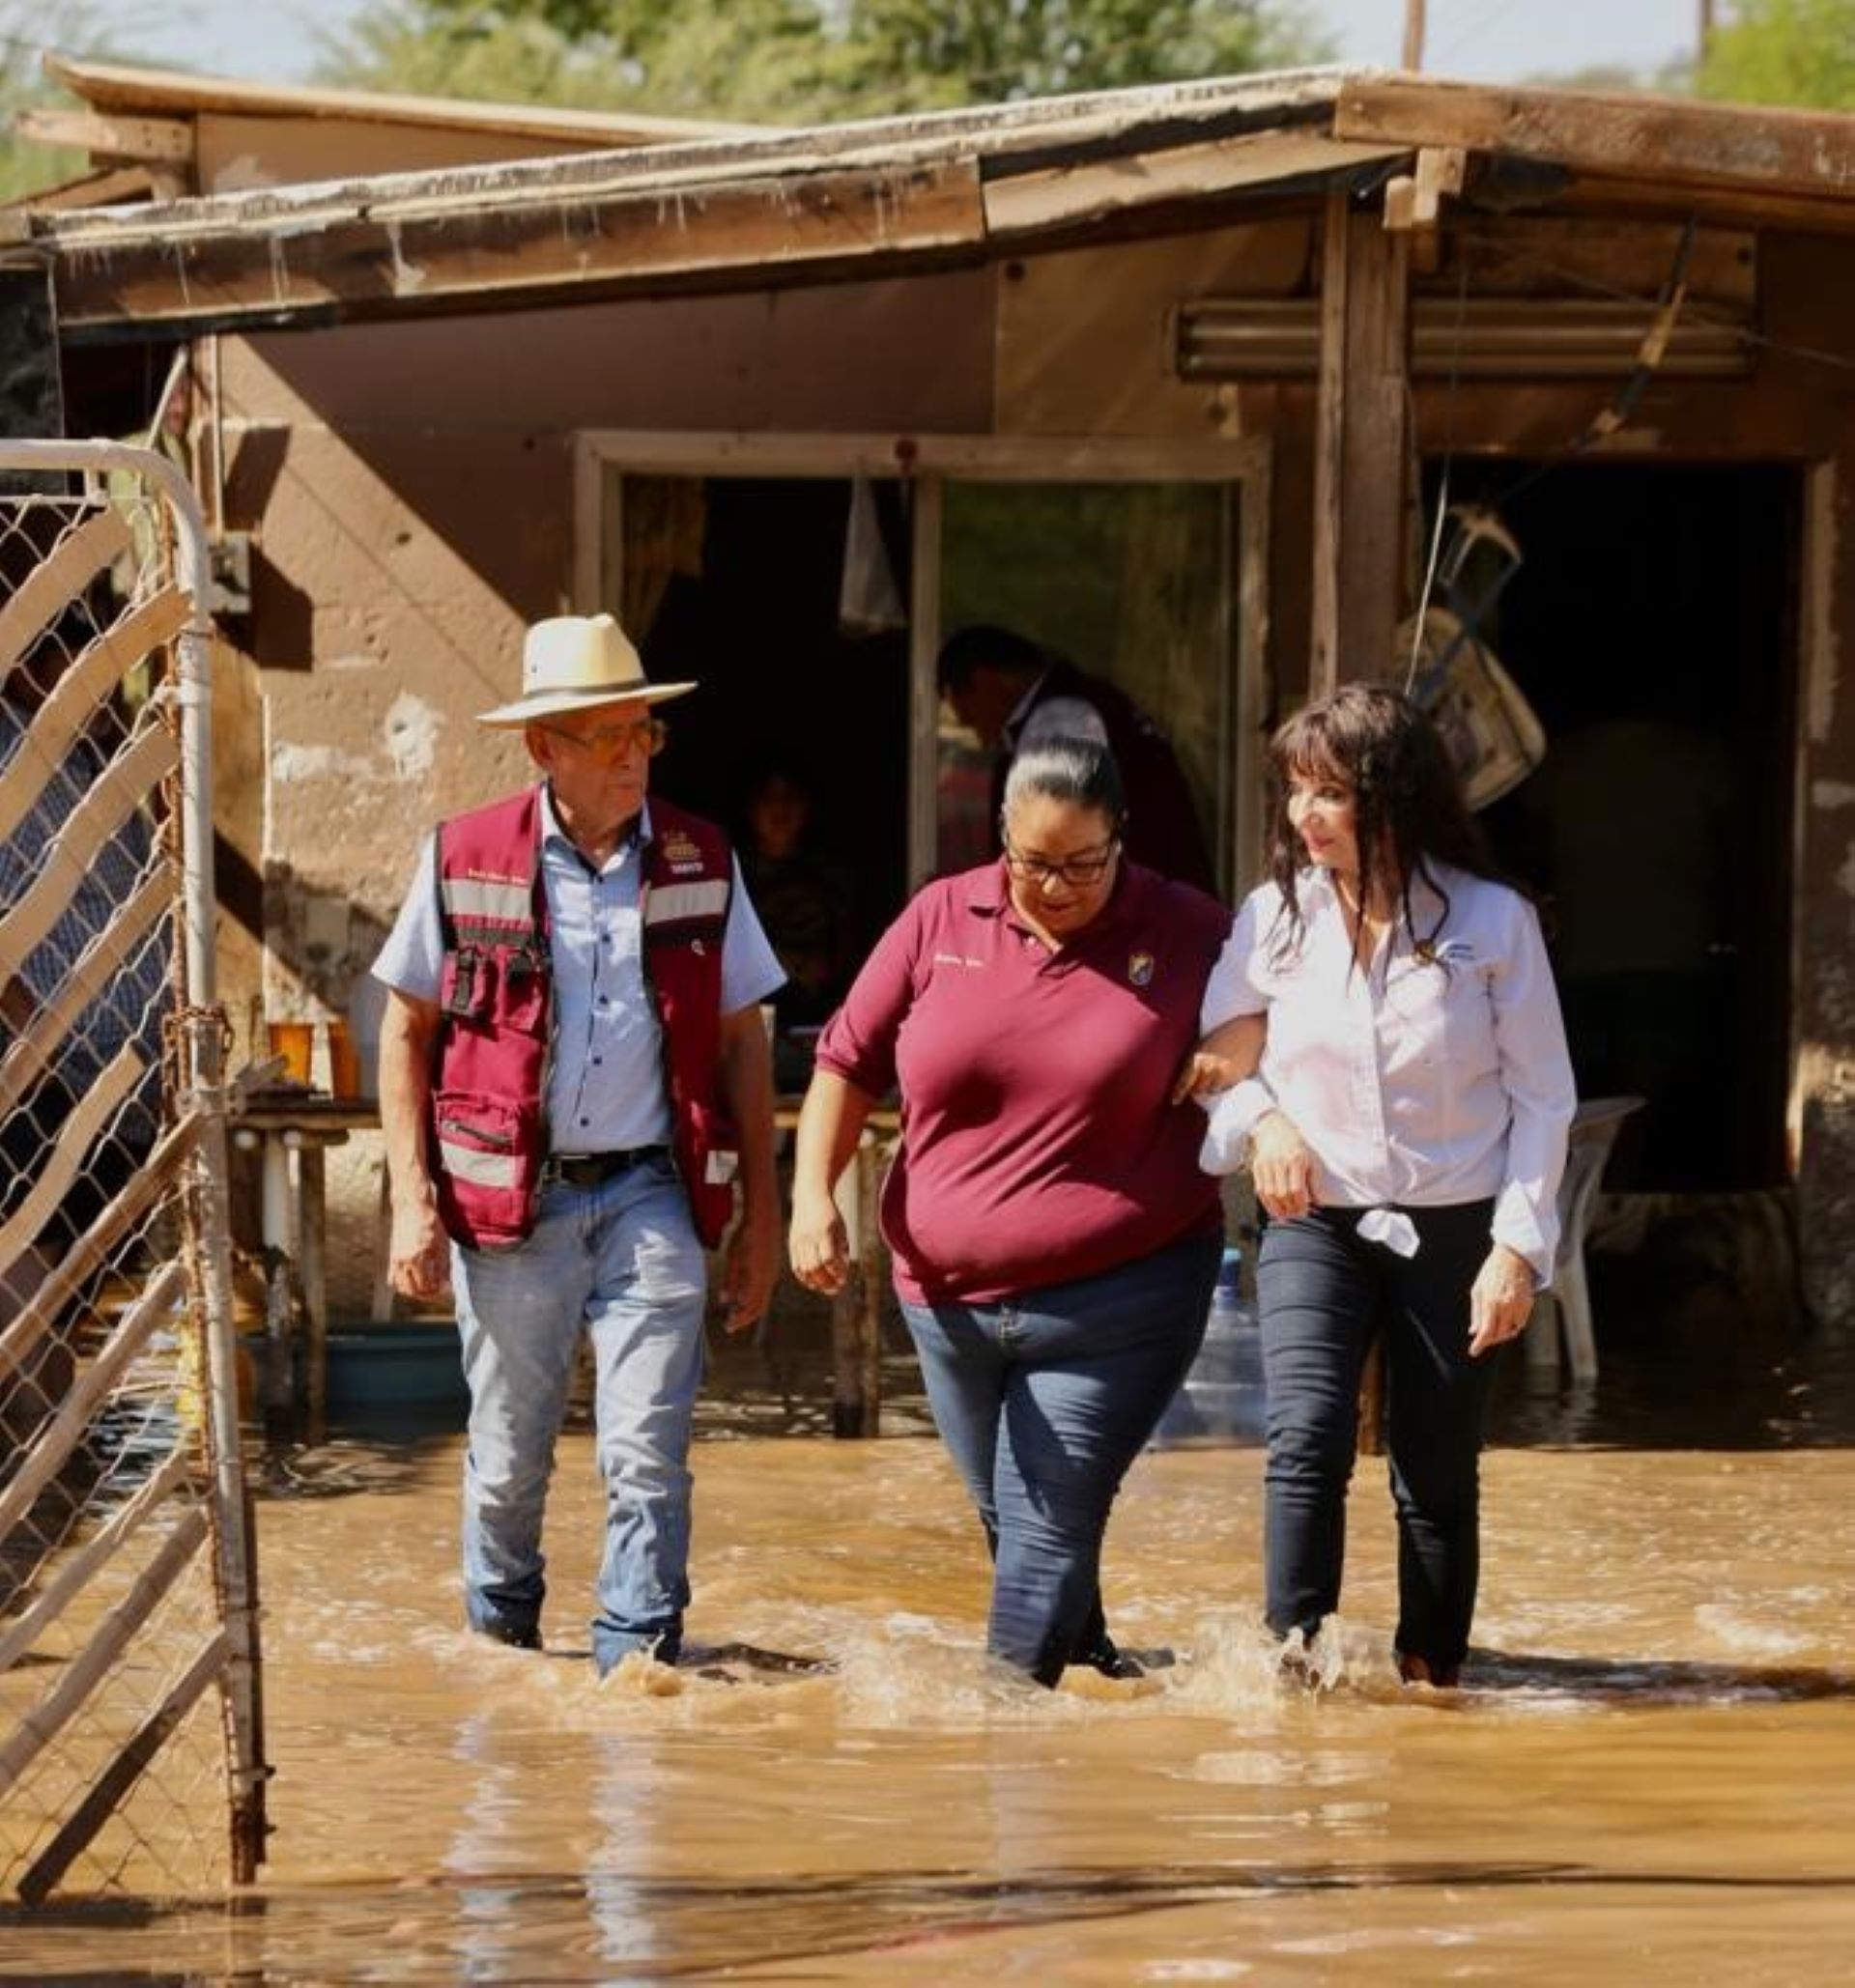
(129, 1743)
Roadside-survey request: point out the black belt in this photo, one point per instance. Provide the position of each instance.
(590, 1169)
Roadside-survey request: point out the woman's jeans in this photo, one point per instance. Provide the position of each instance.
(619, 1261)
(1045, 1400)
(1324, 1293)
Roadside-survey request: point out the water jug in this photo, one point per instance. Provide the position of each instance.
(1222, 1401)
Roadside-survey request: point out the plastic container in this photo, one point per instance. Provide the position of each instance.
(1222, 1401)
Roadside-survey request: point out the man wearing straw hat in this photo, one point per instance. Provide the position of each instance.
(573, 1075)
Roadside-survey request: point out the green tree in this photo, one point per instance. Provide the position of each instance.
(928, 54)
(800, 60)
(1784, 51)
(26, 32)
(755, 59)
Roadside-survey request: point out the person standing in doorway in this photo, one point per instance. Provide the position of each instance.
(572, 1074)
(1406, 1130)
(1012, 694)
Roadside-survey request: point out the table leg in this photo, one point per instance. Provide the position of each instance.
(312, 1263)
(279, 1303)
(855, 1403)
(870, 1310)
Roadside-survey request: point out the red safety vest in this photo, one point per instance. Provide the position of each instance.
(489, 1133)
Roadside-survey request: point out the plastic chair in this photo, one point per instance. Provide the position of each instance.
(1565, 1311)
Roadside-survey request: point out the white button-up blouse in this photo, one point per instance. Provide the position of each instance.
(1418, 1082)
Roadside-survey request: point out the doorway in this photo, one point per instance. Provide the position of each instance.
(805, 582)
(1651, 626)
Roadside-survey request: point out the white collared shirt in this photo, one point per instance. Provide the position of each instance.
(606, 1076)
(1420, 1082)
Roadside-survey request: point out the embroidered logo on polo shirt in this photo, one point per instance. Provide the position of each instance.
(957, 959)
(681, 854)
(1140, 969)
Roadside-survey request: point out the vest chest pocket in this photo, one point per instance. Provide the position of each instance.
(496, 987)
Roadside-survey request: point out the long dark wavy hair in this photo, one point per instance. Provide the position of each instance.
(1407, 804)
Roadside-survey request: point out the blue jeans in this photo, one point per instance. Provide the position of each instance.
(1323, 1294)
(621, 1263)
(1044, 1399)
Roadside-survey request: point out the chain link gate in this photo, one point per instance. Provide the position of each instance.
(130, 1735)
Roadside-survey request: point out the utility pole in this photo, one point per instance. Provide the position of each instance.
(1707, 32)
(1414, 31)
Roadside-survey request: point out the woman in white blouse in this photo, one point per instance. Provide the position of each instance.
(1405, 1131)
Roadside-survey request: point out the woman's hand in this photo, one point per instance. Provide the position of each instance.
(817, 1243)
(1203, 1071)
(1225, 1057)
(1283, 1167)
(1500, 1301)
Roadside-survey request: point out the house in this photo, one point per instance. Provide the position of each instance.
(1177, 379)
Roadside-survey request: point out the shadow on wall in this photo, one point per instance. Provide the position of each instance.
(320, 944)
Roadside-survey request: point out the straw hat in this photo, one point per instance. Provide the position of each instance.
(575, 663)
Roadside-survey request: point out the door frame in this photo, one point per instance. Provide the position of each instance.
(927, 461)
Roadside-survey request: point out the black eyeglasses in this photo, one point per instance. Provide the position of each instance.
(646, 735)
(1079, 871)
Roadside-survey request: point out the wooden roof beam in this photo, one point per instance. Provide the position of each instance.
(1650, 140)
(120, 140)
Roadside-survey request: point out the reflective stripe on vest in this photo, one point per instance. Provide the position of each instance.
(479, 1169)
(489, 900)
(673, 904)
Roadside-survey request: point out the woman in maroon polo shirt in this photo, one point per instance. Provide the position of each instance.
(1055, 1242)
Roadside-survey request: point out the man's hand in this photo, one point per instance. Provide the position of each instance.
(1283, 1167)
(819, 1244)
(418, 1255)
(1500, 1301)
(747, 1276)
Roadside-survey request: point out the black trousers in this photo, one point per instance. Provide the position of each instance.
(1323, 1292)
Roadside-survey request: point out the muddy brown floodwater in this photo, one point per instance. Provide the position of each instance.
(1652, 1774)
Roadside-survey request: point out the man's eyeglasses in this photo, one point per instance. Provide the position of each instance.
(1079, 870)
(645, 735)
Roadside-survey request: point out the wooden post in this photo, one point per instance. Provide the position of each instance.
(1412, 35)
(1362, 461)
(1361, 438)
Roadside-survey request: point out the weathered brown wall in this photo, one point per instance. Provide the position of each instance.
(411, 489)
(1811, 309)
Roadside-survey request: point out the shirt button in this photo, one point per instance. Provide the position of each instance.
(585, 1122)
(597, 1060)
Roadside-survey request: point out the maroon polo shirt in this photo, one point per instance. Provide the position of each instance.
(1037, 1141)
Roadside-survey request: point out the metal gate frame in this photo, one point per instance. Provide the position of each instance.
(231, 1659)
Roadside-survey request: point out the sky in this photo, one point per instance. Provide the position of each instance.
(1495, 41)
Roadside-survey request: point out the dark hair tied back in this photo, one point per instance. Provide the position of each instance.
(1079, 771)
